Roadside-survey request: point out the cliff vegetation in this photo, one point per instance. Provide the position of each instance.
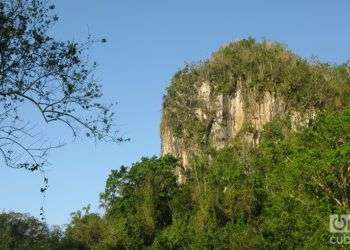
(243, 86)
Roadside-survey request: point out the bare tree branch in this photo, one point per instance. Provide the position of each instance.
(54, 77)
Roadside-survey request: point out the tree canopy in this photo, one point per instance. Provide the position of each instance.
(277, 195)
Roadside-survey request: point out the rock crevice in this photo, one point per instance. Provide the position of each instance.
(226, 117)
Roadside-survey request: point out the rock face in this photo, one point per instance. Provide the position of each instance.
(239, 89)
(227, 117)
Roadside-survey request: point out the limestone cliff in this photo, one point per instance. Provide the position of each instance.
(236, 92)
(227, 118)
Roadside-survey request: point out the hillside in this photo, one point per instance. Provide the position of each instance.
(243, 86)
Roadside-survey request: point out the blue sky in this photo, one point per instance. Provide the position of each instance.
(147, 42)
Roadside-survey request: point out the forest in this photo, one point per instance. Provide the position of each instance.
(277, 195)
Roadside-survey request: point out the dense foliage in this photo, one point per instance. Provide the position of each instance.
(277, 195)
(23, 232)
(254, 68)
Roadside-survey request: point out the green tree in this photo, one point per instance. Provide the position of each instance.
(138, 200)
(50, 76)
(86, 231)
(24, 232)
(308, 183)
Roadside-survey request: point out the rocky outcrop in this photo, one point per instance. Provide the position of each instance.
(226, 117)
(239, 89)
